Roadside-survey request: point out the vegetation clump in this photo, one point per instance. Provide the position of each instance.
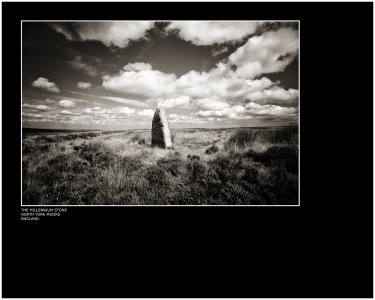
(250, 167)
(212, 149)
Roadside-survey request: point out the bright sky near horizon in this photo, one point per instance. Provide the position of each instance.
(113, 75)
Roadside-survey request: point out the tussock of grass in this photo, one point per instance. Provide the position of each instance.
(246, 137)
(247, 166)
(212, 149)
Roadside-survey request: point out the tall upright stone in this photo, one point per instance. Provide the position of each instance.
(160, 133)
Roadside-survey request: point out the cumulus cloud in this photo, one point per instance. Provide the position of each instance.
(249, 111)
(114, 112)
(95, 110)
(130, 102)
(269, 109)
(220, 83)
(140, 80)
(146, 113)
(225, 112)
(99, 112)
(259, 84)
(44, 83)
(38, 107)
(175, 118)
(267, 53)
(216, 93)
(31, 115)
(217, 82)
(84, 85)
(233, 89)
(175, 102)
(66, 103)
(208, 33)
(211, 103)
(117, 34)
(254, 106)
(42, 107)
(137, 66)
(274, 95)
(125, 110)
(69, 113)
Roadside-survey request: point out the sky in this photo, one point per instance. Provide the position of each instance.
(113, 75)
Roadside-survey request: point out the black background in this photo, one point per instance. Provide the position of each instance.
(324, 248)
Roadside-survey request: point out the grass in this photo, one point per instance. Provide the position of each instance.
(223, 167)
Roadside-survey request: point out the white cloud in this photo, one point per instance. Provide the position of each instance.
(38, 107)
(219, 51)
(31, 115)
(130, 102)
(269, 109)
(107, 112)
(249, 111)
(140, 80)
(146, 113)
(208, 33)
(66, 103)
(88, 110)
(258, 84)
(220, 82)
(44, 83)
(225, 112)
(207, 84)
(223, 92)
(97, 111)
(137, 66)
(61, 29)
(274, 93)
(175, 102)
(219, 93)
(78, 64)
(117, 34)
(267, 53)
(211, 103)
(84, 85)
(205, 90)
(253, 105)
(173, 116)
(126, 111)
(238, 109)
(70, 113)
(42, 107)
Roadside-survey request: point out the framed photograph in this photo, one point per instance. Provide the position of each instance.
(160, 112)
(187, 149)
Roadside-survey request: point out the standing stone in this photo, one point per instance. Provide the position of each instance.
(160, 133)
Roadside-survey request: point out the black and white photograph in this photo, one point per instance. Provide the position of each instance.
(161, 149)
(160, 112)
